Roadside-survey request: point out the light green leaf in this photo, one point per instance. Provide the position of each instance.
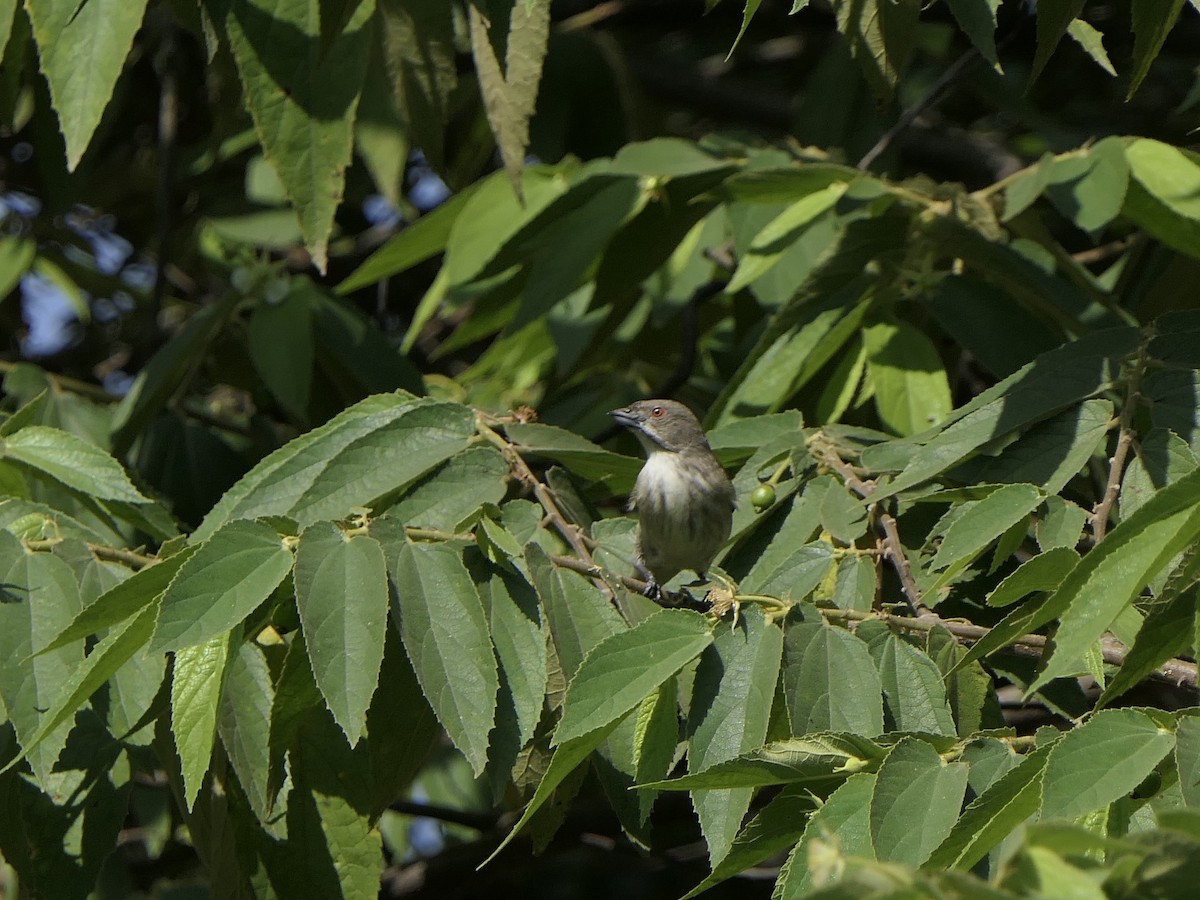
(366, 452)
(1164, 193)
(773, 829)
(1101, 761)
(16, 253)
(881, 35)
(71, 461)
(1092, 42)
(770, 243)
(623, 669)
(829, 681)
(195, 699)
(223, 582)
(911, 390)
(1187, 758)
(446, 636)
(579, 454)
(795, 577)
(728, 716)
(509, 96)
(342, 598)
(82, 48)
(302, 92)
(915, 803)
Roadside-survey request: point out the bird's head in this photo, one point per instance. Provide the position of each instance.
(662, 425)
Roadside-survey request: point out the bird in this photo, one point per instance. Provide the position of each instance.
(683, 498)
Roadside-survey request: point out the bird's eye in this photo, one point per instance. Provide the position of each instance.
(656, 412)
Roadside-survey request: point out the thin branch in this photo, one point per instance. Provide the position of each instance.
(68, 384)
(892, 546)
(955, 70)
(1116, 466)
(476, 820)
(130, 558)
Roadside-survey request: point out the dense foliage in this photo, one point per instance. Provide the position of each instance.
(313, 559)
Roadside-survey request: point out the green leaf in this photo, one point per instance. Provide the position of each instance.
(1060, 527)
(81, 49)
(912, 688)
(1187, 758)
(829, 681)
(773, 829)
(773, 240)
(1092, 42)
(728, 716)
(121, 600)
(519, 634)
(982, 521)
(1167, 632)
(1101, 761)
(794, 577)
(342, 597)
(915, 803)
(302, 93)
(419, 52)
(1053, 18)
(977, 18)
(368, 451)
(1111, 575)
(1164, 193)
(1006, 803)
(195, 699)
(1044, 572)
(280, 340)
(625, 668)
(1152, 22)
(911, 390)
(565, 760)
(747, 14)
(450, 494)
(1050, 383)
(446, 636)
(813, 757)
(881, 35)
(846, 814)
(71, 461)
(223, 582)
(418, 241)
(16, 253)
(40, 596)
(244, 725)
(116, 649)
(580, 617)
(578, 454)
(509, 96)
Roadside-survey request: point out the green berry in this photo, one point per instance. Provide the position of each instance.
(763, 497)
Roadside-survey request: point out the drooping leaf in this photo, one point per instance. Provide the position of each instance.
(829, 681)
(446, 635)
(82, 49)
(509, 95)
(302, 93)
(912, 393)
(1053, 19)
(195, 699)
(730, 710)
(1152, 22)
(342, 598)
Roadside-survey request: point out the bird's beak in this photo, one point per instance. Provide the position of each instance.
(624, 417)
